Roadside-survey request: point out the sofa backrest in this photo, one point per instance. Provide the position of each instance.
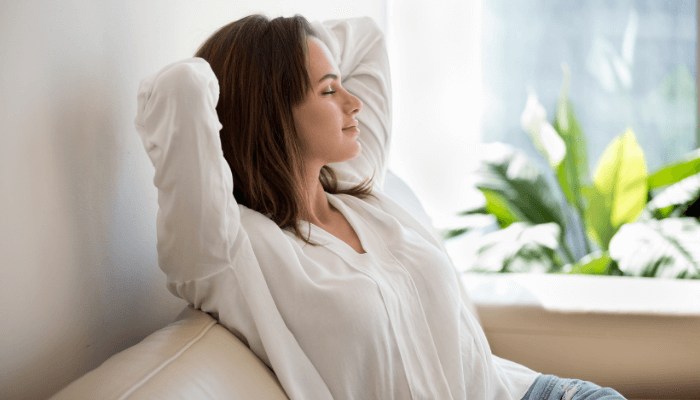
(192, 358)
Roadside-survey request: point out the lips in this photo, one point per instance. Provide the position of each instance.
(351, 125)
(352, 130)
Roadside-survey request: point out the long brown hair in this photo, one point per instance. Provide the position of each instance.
(261, 66)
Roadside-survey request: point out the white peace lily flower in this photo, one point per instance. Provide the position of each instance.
(534, 121)
(552, 144)
(534, 115)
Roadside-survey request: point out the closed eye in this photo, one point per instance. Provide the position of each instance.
(328, 90)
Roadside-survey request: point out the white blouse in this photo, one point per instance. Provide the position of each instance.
(330, 322)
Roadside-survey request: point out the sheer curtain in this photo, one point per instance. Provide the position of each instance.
(435, 52)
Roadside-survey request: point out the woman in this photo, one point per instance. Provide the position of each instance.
(269, 170)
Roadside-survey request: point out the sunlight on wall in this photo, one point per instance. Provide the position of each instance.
(436, 72)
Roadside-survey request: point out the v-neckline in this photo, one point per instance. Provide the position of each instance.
(336, 242)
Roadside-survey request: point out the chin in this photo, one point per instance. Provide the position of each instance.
(357, 151)
(349, 154)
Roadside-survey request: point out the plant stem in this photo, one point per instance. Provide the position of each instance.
(567, 251)
(584, 236)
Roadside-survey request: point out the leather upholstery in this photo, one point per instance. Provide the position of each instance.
(192, 358)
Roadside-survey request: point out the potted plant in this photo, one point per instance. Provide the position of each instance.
(621, 221)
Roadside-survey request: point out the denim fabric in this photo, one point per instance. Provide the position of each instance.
(550, 387)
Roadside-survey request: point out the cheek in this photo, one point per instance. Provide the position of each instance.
(304, 124)
(319, 129)
(312, 117)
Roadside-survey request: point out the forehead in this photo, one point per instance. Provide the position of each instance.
(320, 60)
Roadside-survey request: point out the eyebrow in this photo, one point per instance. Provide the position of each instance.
(328, 76)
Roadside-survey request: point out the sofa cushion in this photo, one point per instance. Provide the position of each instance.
(192, 358)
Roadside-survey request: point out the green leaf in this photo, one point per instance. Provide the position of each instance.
(521, 247)
(663, 212)
(676, 172)
(515, 190)
(494, 205)
(619, 191)
(668, 248)
(451, 233)
(473, 211)
(597, 263)
(572, 172)
(497, 206)
(597, 217)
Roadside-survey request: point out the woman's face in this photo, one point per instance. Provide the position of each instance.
(325, 119)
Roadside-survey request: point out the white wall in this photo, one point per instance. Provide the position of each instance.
(77, 230)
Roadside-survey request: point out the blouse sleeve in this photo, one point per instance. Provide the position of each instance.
(359, 49)
(198, 229)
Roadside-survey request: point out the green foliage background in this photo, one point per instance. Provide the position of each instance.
(630, 221)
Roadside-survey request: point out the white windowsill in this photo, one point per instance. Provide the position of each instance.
(586, 294)
(637, 335)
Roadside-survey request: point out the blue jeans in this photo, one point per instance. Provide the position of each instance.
(550, 387)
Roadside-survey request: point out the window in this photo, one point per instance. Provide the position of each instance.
(462, 72)
(632, 63)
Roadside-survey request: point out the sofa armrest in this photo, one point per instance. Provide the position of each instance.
(193, 357)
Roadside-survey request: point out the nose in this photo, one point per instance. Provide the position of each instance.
(354, 104)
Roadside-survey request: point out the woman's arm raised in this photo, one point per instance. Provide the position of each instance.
(198, 229)
(359, 49)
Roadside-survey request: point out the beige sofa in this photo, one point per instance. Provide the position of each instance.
(192, 358)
